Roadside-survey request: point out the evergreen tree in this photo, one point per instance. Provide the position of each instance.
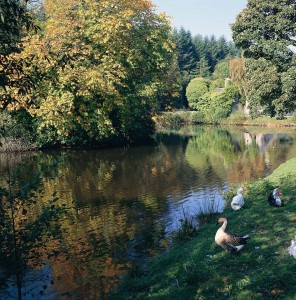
(187, 54)
(232, 50)
(199, 44)
(204, 68)
(187, 59)
(198, 55)
(212, 53)
(222, 48)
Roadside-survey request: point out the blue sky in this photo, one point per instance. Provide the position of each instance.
(205, 17)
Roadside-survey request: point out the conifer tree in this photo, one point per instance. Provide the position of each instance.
(204, 68)
(187, 59)
(186, 50)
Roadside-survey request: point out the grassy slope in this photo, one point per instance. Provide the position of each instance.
(198, 269)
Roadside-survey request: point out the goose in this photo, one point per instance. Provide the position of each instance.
(229, 241)
(238, 200)
(274, 198)
(292, 248)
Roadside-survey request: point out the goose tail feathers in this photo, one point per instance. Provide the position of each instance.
(238, 248)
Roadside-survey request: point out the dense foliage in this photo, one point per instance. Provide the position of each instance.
(99, 71)
(213, 100)
(266, 32)
(14, 19)
(198, 56)
(95, 73)
(195, 90)
(13, 16)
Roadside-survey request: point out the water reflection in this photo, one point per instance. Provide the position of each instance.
(125, 201)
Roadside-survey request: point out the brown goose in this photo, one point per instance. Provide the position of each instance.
(229, 241)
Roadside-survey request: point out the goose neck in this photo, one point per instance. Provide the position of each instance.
(223, 227)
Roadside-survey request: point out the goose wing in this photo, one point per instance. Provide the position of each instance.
(235, 240)
(231, 248)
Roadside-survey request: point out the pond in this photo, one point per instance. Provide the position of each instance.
(125, 202)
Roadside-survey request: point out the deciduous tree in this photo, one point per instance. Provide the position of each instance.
(15, 20)
(266, 31)
(100, 67)
(261, 89)
(196, 90)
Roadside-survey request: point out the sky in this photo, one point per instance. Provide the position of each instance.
(205, 17)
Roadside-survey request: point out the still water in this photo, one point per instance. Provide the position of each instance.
(125, 202)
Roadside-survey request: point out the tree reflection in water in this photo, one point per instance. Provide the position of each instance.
(26, 229)
(124, 202)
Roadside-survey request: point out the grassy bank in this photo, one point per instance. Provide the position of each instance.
(192, 117)
(199, 269)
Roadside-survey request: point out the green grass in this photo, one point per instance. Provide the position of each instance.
(285, 170)
(199, 269)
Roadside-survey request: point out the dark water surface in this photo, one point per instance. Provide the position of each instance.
(126, 201)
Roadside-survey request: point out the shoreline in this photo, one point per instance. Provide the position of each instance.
(237, 119)
(199, 269)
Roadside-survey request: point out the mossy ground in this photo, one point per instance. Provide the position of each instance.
(199, 269)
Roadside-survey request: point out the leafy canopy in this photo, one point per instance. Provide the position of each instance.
(195, 91)
(99, 67)
(266, 31)
(266, 28)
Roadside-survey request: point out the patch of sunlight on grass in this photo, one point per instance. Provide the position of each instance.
(284, 170)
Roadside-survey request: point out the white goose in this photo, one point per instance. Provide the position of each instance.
(229, 241)
(238, 201)
(292, 248)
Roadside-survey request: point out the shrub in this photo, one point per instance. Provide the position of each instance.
(222, 70)
(218, 83)
(217, 106)
(196, 117)
(229, 194)
(172, 119)
(195, 90)
(260, 188)
(184, 115)
(14, 135)
(237, 117)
